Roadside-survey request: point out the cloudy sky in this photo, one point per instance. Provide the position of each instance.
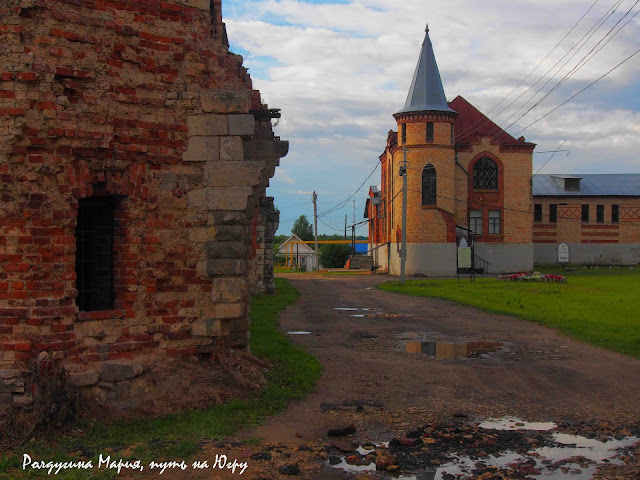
(339, 69)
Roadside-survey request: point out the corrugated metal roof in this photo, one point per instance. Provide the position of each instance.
(426, 92)
(605, 184)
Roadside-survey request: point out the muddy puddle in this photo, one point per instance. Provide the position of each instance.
(453, 351)
(362, 312)
(514, 423)
(299, 332)
(494, 449)
(358, 309)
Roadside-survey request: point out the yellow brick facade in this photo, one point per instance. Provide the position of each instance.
(425, 224)
(570, 228)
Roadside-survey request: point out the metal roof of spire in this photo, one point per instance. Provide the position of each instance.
(426, 92)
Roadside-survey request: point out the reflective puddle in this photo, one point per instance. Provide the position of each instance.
(573, 457)
(299, 333)
(503, 448)
(358, 309)
(514, 423)
(379, 315)
(445, 350)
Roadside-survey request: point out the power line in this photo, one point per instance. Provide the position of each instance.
(330, 226)
(585, 88)
(293, 205)
(529, 212)
(592, 31)
(554, 153)
(577, 67)
(532, 71)
(344, 202)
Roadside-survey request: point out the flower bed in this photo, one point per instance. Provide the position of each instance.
(533, 277)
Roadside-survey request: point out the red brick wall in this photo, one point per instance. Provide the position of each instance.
(139, 99)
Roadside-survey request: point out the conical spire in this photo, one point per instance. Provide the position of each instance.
(426, 92)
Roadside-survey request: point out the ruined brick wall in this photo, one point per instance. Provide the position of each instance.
(264, 226)
(141, 101)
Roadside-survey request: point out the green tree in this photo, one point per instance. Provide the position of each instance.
(334, 255)
(303, 229)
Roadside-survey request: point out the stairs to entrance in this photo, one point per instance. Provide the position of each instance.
(360, 262)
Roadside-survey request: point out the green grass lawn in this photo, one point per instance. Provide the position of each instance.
(180, 436)
(601, 307)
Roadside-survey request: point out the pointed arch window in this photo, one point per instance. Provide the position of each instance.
(485, 174)
(429, 185)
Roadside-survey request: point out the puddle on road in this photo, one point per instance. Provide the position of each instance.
(379, 315)
(299, 333)
(562, 457)
(358, 309)
(574, 457)
(453, 351)
(514, 423)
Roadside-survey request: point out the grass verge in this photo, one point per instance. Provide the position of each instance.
(180, 436)
(596, 306)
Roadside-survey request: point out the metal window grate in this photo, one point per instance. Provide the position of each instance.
(485, 174)
(94, 254)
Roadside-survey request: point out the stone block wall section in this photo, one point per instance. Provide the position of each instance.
(141, 101)
(264, 226)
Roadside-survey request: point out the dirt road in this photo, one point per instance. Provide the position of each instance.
(539, 374)
(370, 381)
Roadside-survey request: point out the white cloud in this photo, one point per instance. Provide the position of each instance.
(339, 71)
(282, 176)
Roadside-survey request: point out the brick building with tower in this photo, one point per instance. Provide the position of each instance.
(134, 161)
(463, 171)
(465, 174)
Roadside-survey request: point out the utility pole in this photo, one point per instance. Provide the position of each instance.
(315, 227)
(354, 212)
(353, 241)
(403, 248)
(345, 226)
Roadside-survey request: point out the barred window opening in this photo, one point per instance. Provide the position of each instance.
(485, 174)
(94, 254)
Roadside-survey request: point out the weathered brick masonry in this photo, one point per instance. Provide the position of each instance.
(264, 226)
(140, 102)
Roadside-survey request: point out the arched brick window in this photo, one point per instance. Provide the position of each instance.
(485, 174)
(429, 185)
